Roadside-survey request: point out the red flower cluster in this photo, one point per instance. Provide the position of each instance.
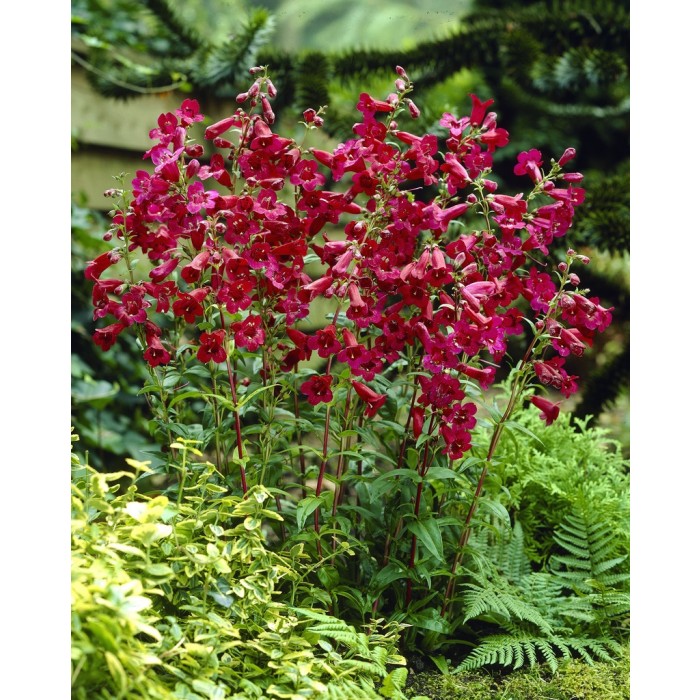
(409, 283)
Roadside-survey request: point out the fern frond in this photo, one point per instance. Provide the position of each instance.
(511, 649)
(509, 555)
(486, 599)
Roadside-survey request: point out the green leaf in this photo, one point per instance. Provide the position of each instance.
(185, 395)
(158, 570)
(99, 393)
(329, 577)
(429, 619)
(390, 573)
(521, 428)
(495, 508)
(441, 662)
(428, 533)
(248, 397)
(410, 473)
(305, 507)
(441, 473)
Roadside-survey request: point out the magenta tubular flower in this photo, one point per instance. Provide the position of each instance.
(249, 333)
(457, 441)
(305, 174)
(155, 353)
(325, 342)
(318, 389)
(158, 274)
(96, 267)
(368, 105)
(192, 272)
(189, 112)
(189, 305)
(211, 347)
(417, 421)
(133, 307)
(485, 376)
(107, 336)
(529, 163)
(198, 198)
(550, 411)
(478, 110)
(373, 400)
(167, 124)
(551, 373)
(221, 127)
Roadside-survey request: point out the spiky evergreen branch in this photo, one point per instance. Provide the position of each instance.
(187, 38)
(225, 66)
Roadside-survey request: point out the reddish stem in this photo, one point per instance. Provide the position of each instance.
(236, 416)
(423, 470)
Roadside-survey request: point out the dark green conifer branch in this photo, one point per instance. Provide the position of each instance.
(224, 68)
(187, 38)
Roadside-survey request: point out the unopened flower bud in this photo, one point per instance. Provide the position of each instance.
(256, 69)
(271, 89)
(268, 114)
(108, 236)
(194, 151)
(490, 185)
(400, 85)
(222, 143)
(393, 99)
(254, 89)
(219, 127)
(241, 97)
(568, 155)
(566, 302)
(571, 252)
(412, 109)
(112, 192)
(561, 267)
(574, 279)
(572, 177)
(584, 259)
(402, 73)
(472, 199)
(192, 169)
(489, 121)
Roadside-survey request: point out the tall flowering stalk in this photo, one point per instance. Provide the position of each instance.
(428, 292)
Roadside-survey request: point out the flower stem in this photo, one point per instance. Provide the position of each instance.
(422, 471)
(236, 415)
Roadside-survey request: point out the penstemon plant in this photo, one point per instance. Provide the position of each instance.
(425, 272)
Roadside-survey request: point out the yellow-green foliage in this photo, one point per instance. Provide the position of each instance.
(186, 602)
